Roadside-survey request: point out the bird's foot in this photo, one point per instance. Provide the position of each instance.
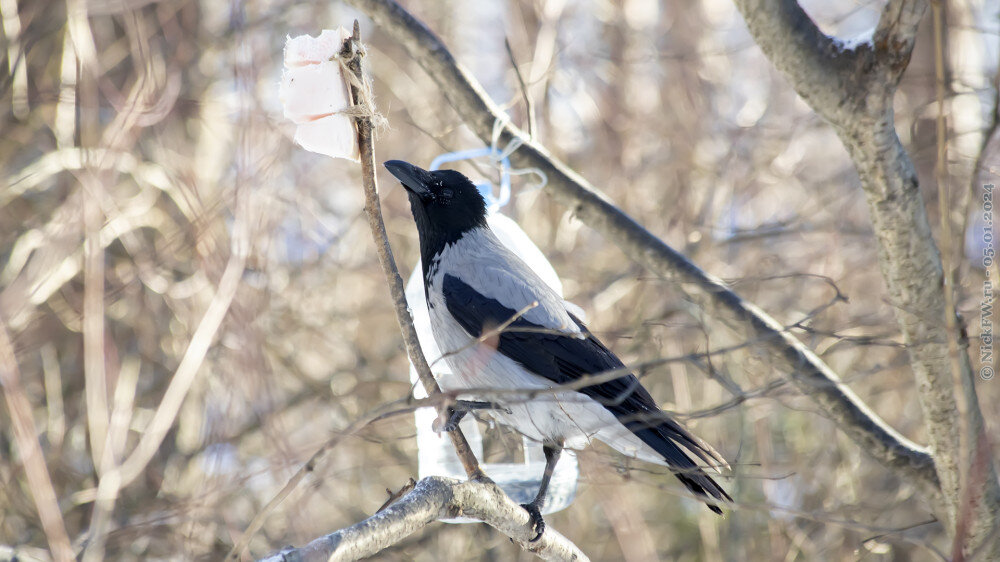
(452, 421)
(459, 410)
(537, 523)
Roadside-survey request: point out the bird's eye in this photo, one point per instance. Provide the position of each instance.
(446, 193)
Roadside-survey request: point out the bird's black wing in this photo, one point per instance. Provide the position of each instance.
(564, 357)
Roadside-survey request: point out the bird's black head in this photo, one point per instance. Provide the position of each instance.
(445, 205)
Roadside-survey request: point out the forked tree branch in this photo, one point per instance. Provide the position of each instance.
(434, 498)
(853, 88)
(808, 372)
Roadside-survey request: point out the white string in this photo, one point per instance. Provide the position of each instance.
(512, 146)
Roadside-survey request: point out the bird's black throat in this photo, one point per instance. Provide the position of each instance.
(445, 206)
(437, 230)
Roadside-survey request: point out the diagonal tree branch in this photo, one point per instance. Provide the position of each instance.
(434, 498)
(858, 103)
(810, 374)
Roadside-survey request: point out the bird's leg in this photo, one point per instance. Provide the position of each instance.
(462, 407)
(552, 453)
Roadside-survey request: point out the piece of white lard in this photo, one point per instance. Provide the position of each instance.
(314, 93)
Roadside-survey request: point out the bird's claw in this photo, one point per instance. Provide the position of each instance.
(457, 412)
(451, 424)
(455, 416)
(537, 523)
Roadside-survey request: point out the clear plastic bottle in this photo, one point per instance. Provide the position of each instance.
(435, 454)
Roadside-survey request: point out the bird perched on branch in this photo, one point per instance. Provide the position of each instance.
(499, 326)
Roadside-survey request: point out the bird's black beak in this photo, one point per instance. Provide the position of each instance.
(414, 179)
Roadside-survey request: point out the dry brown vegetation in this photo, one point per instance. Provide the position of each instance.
(194, 301)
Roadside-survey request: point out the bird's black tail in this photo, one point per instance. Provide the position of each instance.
(666, 437)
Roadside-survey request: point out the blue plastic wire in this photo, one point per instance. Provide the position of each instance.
(493, 204)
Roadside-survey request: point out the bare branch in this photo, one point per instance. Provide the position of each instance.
(529, 110)
(434, 498)
(495, 332)
(812, 376)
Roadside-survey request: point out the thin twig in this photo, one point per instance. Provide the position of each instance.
(373, 210)
(394, 496)
(240, 546)
(501, 329)
(525, 94)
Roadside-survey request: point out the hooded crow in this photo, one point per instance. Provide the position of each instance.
(500, 327)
